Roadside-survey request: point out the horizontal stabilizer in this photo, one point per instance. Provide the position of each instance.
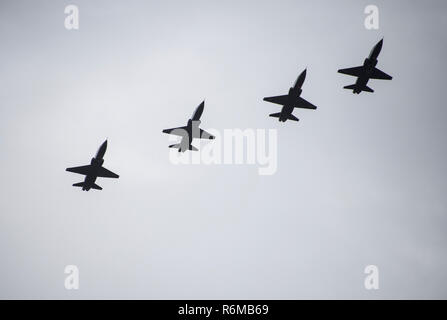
(80, 184)
(292, 117)
(95, 186)
(289, 117)
(275, 115)
(182, 148)
(358, 89)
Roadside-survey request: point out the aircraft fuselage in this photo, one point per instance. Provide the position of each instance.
(96, 163)
(90, 179)
(192, 131)
(287, 109)
(369, 65)
(93, 171)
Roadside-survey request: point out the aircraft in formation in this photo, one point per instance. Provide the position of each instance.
(288, 102)
(366, 72)
(93, 171)
(190, 131)
(291, 100)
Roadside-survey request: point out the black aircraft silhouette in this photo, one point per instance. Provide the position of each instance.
(190, 131)
(291, 101)
(93, 171)
(366, 72)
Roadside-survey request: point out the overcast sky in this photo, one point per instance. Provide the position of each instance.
(360, 181)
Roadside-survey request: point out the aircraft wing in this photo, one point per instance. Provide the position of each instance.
(180, 131)
(356, 71)
(301, 103)
(104, 173)
(282, 100)
(205, 135)
(378, 74)
(85, 170)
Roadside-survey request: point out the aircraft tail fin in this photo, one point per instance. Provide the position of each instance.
(80, 184)
(95, 186)
(177, 146)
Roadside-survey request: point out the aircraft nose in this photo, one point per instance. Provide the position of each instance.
(198, 112)
(378, 46)
(104, 146)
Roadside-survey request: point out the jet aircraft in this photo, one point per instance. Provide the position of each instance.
(190, 131)
(291, 100)
(366, 72)
(93, 171)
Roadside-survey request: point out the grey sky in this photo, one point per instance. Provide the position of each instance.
(360, 181)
